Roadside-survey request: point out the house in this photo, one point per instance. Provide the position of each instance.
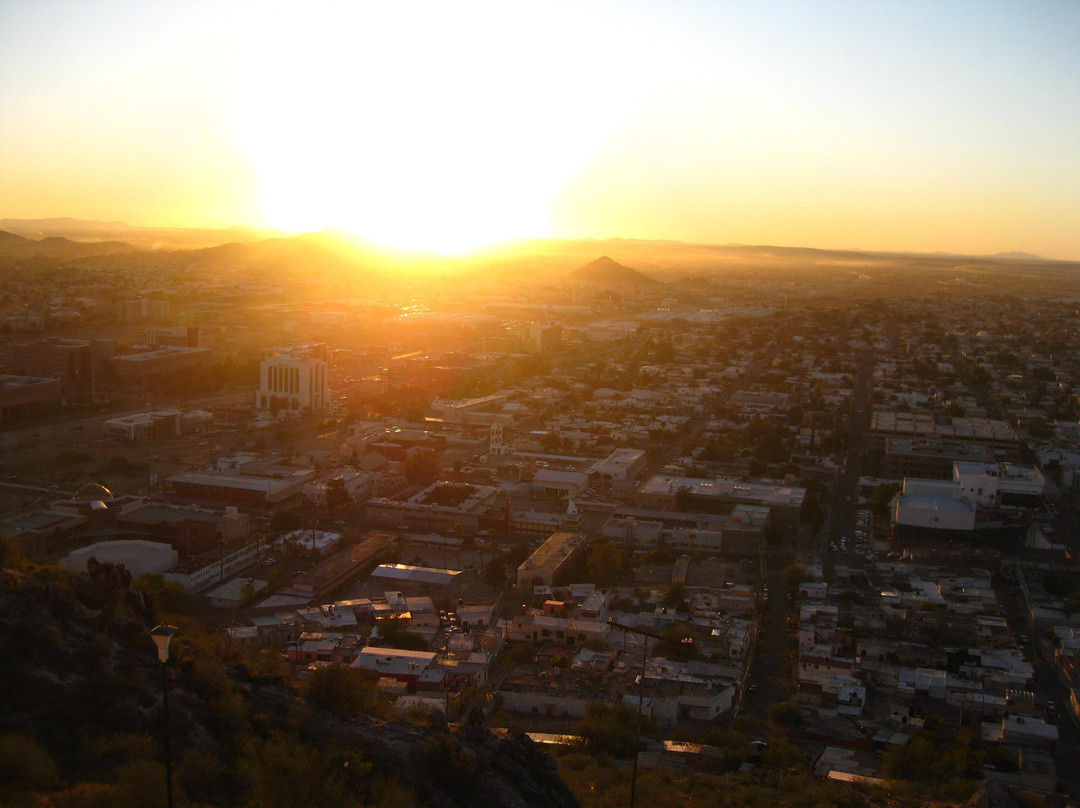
(394, 663)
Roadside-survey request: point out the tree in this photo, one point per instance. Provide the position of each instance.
(283, 771)
(792, 576)
(336, 495)
(786, 715)
(881, 497)
(772, 448)
(684, 498)
(664, 352)
(395, 634)
(284, 520)
(169, 597)
(604, 562)
(340, 689)
(678, 642)
(495, 571)
(675, 597)
(611, 729)
(782, 755)
(421, 467)
(10, 553)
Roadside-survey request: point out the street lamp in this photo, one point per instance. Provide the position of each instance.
(161, 636)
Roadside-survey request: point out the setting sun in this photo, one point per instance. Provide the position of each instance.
(421, 132)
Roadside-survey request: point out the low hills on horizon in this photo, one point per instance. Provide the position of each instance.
(634, 265)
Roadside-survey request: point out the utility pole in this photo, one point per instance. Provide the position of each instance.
(641, 691)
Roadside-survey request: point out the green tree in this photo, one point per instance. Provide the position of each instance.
(772, 448)
(663, 352)
(283, 772)
(684, 499)
(782, 755)
(456, 769)
(421, 467)
(284, 520)
(10, 552)
(735, 743)
(792, 576)
(495, 571)
(678, 643)
(604, 562)
(340, 689)
(786, 715)
(675, 597)
(336, 495)
(881, 497)
(395, 634)
(25, 762)
(169, 597)
(611, 729)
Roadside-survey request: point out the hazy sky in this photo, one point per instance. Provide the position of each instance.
(877, 125)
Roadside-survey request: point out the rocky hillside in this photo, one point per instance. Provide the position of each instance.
(80, 719)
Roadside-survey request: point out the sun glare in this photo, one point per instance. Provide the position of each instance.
(438, 126)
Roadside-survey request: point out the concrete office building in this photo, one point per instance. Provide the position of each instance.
(76, 362)
(293, 378)
(27, 395)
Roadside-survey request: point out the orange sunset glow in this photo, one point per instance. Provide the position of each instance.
(446, 127)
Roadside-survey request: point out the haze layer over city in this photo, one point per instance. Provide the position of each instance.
(573, 404)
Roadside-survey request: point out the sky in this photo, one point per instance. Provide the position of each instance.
(907, 125)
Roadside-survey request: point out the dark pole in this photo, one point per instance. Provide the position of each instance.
(161, 636)
(645, 635)
(168, 744)
(640, 706)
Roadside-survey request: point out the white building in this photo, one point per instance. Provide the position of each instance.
(622, 465)
(293, 378)
(937, 504)
(995, 484)
(137, 556)
(359, 486)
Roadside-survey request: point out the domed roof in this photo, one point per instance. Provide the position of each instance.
(92, 492)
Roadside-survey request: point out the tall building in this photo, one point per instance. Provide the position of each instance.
(545, 336)
(293, 377)
(146, 367)
(189, 336)
(142, 309)
(75, 362)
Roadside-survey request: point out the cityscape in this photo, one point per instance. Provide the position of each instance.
(772, 517)
(564, 405)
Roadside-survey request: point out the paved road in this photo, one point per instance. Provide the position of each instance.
(1046, 684)
(768, 672)
(845, 502)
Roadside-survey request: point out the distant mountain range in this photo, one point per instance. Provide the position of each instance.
(336, 253)
(14, 246)
(144, 238)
